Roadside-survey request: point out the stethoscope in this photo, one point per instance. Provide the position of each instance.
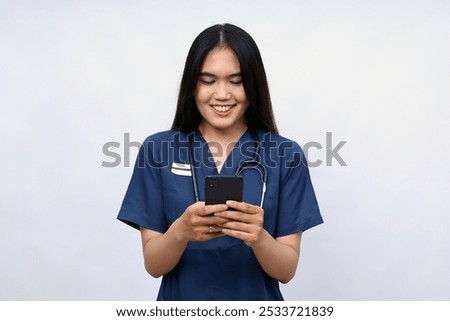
(253, 163)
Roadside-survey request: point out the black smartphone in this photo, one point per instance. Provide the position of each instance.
(219, 189)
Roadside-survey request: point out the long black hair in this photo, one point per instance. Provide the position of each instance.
(259, 114)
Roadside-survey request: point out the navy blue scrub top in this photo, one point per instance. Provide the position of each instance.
(224, 268)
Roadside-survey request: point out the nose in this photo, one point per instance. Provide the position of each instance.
(222, 91)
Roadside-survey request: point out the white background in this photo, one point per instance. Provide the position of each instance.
(75, 75)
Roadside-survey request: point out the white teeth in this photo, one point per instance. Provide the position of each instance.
(221, 108)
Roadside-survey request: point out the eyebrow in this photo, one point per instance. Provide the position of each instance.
(208, 74)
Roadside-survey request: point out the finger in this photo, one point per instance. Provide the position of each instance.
(237, 226)
(214, 229)
(207, 232)
(238, 216)
(211, 232)
(244, 207)
(211, 209)
(231, 215)
(236, 234)
(212, 220)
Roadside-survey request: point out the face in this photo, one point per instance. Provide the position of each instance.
(220, 95)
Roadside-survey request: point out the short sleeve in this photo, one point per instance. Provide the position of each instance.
(143, 201)
(298, 209)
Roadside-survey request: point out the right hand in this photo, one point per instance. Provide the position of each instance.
(197, 224)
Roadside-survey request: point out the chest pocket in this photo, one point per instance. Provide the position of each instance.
(178, 191)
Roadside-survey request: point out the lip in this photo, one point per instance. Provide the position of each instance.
(222, 109)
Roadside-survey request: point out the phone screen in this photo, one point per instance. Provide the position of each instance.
(219, 189)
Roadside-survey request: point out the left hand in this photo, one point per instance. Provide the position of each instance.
(245, 222)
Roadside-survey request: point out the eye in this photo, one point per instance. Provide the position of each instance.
(236, 82)
(206, 81)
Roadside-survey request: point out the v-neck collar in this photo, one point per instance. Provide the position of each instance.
(232, 161)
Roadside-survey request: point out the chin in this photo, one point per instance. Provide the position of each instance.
(221, 126)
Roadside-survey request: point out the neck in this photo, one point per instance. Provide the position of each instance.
(226, 138)
(211, 134)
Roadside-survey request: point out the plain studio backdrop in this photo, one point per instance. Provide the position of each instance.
(76, 75)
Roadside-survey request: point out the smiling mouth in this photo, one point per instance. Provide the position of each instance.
(222, 108)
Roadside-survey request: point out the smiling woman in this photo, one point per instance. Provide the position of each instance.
(220, 95)
(221, 100)
(246, 62)
(236, 250)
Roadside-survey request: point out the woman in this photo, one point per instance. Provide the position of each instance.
(237, 250)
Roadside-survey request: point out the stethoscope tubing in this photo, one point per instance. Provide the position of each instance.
(243, 165)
